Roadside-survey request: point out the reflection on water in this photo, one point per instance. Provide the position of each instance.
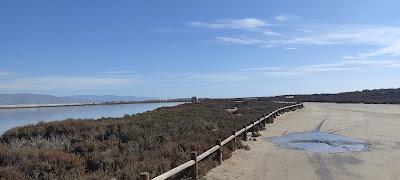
(10, 118)
(319, 142)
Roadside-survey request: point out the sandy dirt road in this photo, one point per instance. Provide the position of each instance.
(377, 124)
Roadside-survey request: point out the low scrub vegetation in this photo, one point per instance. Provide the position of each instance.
(121, 148)
(377, 96)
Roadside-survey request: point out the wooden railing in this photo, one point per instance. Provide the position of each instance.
(219, 144)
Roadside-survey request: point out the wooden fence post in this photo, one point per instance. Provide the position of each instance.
(233, 140)
(244, 133)
(219, 151)
(195, 168)
(264, 122)
(145, 176)
(255, 128)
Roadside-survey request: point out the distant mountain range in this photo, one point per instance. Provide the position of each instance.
(108, 98)
(16, 99)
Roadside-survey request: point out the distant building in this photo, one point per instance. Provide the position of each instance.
(194, 99)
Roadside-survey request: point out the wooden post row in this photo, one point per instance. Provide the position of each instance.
(195, 171)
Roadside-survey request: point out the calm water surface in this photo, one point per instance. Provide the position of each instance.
(10, 118)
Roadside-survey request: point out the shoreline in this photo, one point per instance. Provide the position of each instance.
(8, 125)
(22, 106)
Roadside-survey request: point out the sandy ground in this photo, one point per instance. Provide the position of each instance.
(377, 124)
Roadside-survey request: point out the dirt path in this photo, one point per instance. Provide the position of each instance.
(377, 124)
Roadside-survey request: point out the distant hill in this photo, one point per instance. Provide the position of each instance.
(108, 98)
(13, 99)
(376, 96)
(16, 99)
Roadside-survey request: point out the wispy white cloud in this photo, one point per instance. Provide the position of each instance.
(116, 72)
(246, 74)
(309, 69)
(285, 17)
(347, 65)
(4, 74)
(261, 69)
(389, 50)
(60, 83)
(281, 18)
(346, 34)
(386, 39)
(244, 24)
(374, 63)
(206, 77)
(324, 68)
(168, 29)
(239, 40)
(290, 48)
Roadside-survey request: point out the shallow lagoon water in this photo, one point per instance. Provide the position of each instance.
(10, 118)
(319, 142)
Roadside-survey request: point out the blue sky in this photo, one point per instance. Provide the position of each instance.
(208, 48)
